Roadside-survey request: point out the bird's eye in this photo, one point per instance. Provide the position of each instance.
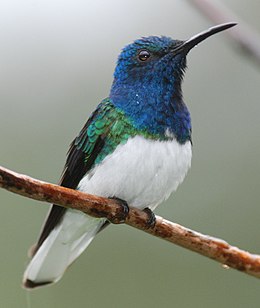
(144, 55)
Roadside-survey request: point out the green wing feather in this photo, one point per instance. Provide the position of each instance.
(106, 128)
(109, 124)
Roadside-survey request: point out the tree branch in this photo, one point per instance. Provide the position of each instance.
(205, 245)
(246, 37)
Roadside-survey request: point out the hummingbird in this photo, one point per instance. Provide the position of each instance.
(135, 147)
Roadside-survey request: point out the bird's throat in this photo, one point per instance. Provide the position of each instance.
(156, 106)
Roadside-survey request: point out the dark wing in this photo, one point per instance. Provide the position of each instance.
(80, 159)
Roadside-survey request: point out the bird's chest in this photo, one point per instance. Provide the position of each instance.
(143, 172)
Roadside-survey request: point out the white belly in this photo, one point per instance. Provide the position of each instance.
(142, 172)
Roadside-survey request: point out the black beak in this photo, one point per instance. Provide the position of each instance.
(186, 46)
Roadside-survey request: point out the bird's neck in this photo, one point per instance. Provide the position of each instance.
(156, 106)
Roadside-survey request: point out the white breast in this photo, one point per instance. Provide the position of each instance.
(142, 172)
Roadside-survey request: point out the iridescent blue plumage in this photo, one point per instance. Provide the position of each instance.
(150, 92)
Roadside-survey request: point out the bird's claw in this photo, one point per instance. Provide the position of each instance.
(151, 221)
(120, 216)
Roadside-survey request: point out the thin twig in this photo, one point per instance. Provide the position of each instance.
(246, 37)
(210, 247)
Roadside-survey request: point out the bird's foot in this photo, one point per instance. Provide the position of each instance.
(120, 217)
(151, 218)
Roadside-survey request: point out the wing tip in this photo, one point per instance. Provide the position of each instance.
(32, 250)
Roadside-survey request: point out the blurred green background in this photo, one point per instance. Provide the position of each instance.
(56, 64)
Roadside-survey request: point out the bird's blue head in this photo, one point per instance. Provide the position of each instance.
(150, 59)
(147, 83)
